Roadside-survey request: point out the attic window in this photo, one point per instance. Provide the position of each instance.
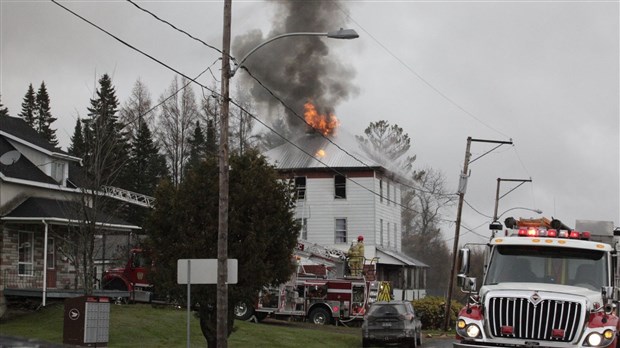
(340, 187)
(58, 171)
(300, 187)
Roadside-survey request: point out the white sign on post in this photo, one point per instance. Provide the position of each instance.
(203, 271)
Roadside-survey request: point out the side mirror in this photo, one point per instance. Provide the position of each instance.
(467, 284)
(464, 261)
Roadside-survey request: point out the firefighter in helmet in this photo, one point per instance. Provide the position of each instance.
(356, 257)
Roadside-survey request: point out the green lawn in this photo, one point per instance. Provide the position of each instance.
(141, 325)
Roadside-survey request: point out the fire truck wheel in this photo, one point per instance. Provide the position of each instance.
(319, 316)
(243, 311)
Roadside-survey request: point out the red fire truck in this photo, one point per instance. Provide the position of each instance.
(131, 278)
(544, 285)
(317, 293)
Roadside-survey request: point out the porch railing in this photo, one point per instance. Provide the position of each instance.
(11, 279)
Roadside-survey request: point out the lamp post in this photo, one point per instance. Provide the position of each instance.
(222, 234)
(537, 211)
(346, 34)
(495, 224)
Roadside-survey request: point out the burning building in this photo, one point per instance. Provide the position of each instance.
(342, 195)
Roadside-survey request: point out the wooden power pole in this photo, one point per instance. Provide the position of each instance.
(222, 232)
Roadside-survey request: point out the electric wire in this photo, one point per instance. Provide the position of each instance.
(230, 100)
(289, 108)
(174, 27)
(420, 77)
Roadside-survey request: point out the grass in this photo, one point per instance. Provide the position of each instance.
(141, 325)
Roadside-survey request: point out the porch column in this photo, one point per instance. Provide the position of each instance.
(44, 264)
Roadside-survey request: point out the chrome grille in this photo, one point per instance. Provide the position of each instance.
(549, 320)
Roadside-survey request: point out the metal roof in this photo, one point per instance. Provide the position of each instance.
(316, 151)
(407, 260)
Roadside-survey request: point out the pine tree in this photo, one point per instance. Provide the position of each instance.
(44, 116)
(197, 149)
(146, 168)
(29, 107)
(107, 144)
(78, 146)
(3, 109)
(211, 143)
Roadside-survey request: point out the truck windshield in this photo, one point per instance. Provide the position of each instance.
(567, 266)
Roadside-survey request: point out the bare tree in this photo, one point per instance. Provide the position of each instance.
(136, 108)
(176, 121)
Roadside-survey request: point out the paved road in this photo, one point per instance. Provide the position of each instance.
(437, 342)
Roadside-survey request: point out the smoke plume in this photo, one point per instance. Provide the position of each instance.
(297, 69)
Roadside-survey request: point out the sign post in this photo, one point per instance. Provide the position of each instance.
(203, 272)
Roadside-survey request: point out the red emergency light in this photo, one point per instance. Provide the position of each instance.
(536, 232)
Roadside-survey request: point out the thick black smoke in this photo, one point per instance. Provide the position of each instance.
(300, 68)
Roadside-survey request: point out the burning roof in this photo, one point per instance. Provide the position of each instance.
(324, 153)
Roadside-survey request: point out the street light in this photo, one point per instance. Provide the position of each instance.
(346, 34)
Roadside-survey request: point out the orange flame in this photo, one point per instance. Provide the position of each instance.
(324, 123)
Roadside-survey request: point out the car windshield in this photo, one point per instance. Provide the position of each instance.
(380, 309)
(567, 266)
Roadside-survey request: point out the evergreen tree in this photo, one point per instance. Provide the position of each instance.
(78, 145)
(44, 117)
(184, 224)
(211, 145)
(197, 148)
(29, 107)
(146, 168)
(108, 148)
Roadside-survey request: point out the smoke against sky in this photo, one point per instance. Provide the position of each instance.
(301, 68)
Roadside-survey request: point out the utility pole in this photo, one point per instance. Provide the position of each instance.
(497, 197)
(222, 232)
(457, 229)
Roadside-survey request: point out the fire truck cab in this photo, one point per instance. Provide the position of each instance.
(544, 285)
(132, 277)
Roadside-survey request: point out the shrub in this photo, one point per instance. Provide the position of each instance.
(431, 311)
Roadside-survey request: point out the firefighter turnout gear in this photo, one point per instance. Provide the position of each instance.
(356, 257)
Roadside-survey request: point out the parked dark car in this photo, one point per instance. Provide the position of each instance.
(391, 322)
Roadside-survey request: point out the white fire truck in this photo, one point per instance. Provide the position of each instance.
(544, 285)
(319, 292)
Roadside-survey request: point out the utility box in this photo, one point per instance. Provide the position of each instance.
(87, 321)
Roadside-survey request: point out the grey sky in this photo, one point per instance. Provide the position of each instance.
(544, 74)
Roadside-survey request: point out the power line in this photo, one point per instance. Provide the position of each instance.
(174, 27)
(289, 108)
(426, 82)
(232, 101)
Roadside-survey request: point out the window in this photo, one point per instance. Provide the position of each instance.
(381, 232)
(341, 230)
(381, 191)
(51, 253)
(303, 232)
(25, 247)
(388, 235)
(388, 193)
(58, 171)
(300, 187)
(340, 186)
